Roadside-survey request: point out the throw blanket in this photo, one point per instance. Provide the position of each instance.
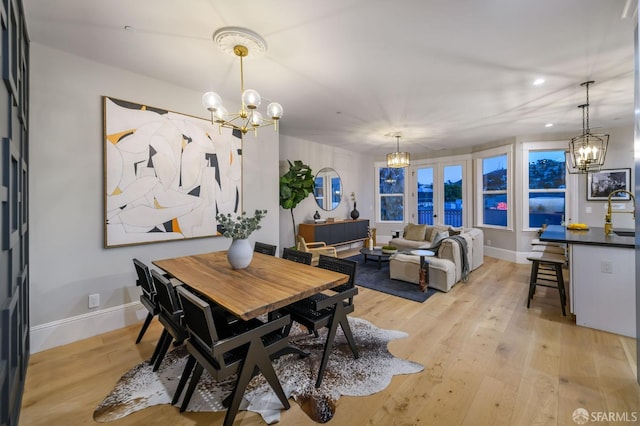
(462, 243)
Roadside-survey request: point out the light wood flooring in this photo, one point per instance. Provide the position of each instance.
(488, 361)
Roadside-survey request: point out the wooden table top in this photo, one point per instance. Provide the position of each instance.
(269, 283)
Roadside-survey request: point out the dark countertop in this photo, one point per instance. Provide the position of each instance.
(593, 236)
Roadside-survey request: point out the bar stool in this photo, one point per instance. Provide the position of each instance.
(546, 267)
(537, 242)
(548, 249)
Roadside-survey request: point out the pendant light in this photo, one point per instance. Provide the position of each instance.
(587, 151)
(397, 159)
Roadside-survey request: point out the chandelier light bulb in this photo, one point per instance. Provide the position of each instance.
(256, 118)
(211, 101)
(220, 114)
(251, 99)
(275, 110)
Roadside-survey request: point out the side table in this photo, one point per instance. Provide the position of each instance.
(424, 267)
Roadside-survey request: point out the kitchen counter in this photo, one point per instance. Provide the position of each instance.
(601, 278)
(592, 236)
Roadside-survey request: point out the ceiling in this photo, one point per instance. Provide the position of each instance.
(446, 73)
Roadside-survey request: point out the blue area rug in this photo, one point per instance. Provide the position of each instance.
(368, 275)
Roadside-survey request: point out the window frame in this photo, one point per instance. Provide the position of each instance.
(480, 192)
(383, 165)
(569, 183)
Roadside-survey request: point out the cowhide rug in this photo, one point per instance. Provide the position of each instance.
(372, 372)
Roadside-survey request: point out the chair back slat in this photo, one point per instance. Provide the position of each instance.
(297, 256)
(165, 295)
(144, 279)
(198, 319)
(265, 248)
(344, 266)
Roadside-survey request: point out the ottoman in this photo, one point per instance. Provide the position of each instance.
(406, 267)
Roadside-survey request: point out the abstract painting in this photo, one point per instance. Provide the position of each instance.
(166, 174)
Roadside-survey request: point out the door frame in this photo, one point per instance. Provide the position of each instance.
(438, 165)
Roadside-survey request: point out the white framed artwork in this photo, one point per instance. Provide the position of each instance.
(166, 174)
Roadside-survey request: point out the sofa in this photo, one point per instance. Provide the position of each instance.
(446, 268)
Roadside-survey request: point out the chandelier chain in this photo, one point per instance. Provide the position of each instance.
(587, 113)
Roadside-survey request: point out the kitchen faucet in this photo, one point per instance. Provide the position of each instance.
(608, 225)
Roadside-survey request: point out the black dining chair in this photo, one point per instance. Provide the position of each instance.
(170, 316)
(265, 248)
(297, 255)
(244, 354)
(322, 310)
(148, 295)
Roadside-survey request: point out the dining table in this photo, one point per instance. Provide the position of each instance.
(266, 285)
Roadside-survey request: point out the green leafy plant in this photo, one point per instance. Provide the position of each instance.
(295, 186)
(389, 248)
(242, 226)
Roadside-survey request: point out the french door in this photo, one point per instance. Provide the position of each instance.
(439, 193)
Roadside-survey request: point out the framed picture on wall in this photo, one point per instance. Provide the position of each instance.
(601, 184)
(166, 174)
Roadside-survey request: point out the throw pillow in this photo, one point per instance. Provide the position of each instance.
(429, 233)
(454, 231)
(440, 228)
(439, 237)
(414, 232)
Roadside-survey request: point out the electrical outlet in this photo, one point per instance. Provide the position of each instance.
(94, 300)
(588, 209)
(488, 242)
(606, 266)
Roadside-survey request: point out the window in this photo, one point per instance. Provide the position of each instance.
(493, 170)
(390, 194)
(453, 195)
(545, 187)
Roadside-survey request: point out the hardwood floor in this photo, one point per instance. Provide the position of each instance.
(488, 361)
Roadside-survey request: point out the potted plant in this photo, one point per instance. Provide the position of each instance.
(295, 186)
(240, 252)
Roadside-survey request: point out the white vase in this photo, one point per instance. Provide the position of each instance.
(240, 254)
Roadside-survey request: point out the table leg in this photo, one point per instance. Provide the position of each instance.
(424, 274)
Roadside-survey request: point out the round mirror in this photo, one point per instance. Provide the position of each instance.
(328, 189)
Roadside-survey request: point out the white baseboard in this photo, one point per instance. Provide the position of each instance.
(68, 330)
(511, 256)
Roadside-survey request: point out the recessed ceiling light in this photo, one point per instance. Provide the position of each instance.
(548, 125)
(129, 28)
(538, 81)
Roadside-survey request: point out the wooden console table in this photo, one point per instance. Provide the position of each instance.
(335, 233)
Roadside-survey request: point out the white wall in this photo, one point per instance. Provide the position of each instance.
(67, 258)
(355, 169)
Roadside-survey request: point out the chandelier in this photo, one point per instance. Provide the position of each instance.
(240, 41)
(397, 159)
(587, 151)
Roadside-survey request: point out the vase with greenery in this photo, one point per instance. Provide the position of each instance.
(238, 229)
(295, 186)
